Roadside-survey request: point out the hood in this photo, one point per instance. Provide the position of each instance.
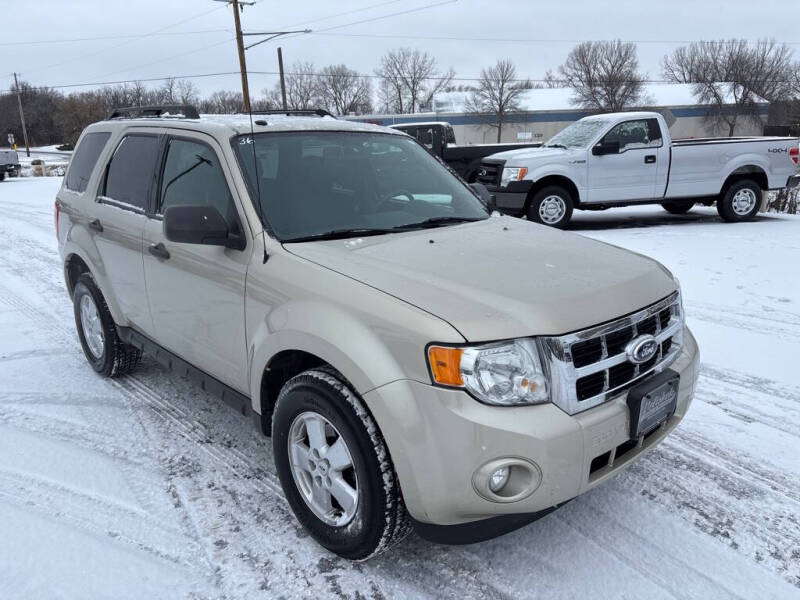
(527, 154)
(500, 278)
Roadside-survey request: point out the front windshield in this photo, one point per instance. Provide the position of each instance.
(315, 184)
(579, 134)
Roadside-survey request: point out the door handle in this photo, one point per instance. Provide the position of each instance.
(96, 225)
(650, 159)
(158, 250)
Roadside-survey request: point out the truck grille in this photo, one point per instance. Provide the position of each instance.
(489, 173)
(592, 366)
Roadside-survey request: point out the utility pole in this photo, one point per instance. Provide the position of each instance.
(22, 117)
(283, 82)
(240, 47)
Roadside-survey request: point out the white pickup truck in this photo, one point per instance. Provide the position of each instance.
(627, 158)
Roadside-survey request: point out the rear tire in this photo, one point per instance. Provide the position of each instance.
(741, 201)
(108, 355)
(314, 476)
(552, 206)
(677, 208)
(2, 175)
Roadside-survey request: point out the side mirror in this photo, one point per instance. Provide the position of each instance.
(198, 225)
(604, 148)
(486, 197)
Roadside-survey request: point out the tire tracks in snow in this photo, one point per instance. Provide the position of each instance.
(138, 393)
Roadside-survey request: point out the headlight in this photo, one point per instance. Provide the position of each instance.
(506, 374)
(512, 174)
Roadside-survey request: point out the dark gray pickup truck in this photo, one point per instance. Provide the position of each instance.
(440, 139)
(9, 163)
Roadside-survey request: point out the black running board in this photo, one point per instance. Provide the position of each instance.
(236, 400)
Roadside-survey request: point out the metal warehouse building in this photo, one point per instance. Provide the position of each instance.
(545, 112)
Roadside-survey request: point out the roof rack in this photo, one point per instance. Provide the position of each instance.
(308, 112)
(187, 111)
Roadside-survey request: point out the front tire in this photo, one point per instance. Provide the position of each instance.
(677, 208)
(552, 206)
(741, 201)
(108, 355)
(334, 467)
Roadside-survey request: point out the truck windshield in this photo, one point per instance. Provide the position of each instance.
(579, 134)
(318, 184)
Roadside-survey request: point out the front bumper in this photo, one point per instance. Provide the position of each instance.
(438, 438)
(511, 199)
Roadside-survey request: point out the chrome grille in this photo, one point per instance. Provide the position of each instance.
(592, 366)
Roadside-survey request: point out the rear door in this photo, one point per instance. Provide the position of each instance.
(633, 174)
(124, 196)
(196, 292)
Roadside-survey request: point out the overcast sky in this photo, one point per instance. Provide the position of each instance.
(213, 50)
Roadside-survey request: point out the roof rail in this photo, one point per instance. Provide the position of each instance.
(186, 111)
(308, 112)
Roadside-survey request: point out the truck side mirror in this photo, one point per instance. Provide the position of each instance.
(604, 148)
(485, 196)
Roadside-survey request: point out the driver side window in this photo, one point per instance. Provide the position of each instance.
(631, 135)
(193, 176)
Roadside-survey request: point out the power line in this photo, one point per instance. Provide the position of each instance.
(113, 37)
(277, 73)
(127, 42)
(341, 14)
(381, 17)
(513, 40)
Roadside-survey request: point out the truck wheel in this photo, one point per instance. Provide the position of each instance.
(551, 206)
(108, 355)
(677, 208)
(740, 202)
(2, 175)
(334, 467)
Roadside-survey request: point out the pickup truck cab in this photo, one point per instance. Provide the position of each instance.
(418, 360)
(627, 158)
(9, 163)
(440, 140)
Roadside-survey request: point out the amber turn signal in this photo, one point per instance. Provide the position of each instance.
(446, 365)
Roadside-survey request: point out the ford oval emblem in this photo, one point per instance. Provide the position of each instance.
(642, 349)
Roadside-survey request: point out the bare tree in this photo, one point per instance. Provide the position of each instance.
(223, 102)
(551, 80)
(302, 88)
(605, 75)
(409, 80)
(497, 94)
(733, 77)
(187, 92)
(343, 91)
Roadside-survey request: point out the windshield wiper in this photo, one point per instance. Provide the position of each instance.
(436, 222)
(339, 234)
(555, 146)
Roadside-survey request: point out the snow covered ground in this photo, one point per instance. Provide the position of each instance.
(145, 487)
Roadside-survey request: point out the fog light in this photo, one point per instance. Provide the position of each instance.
(509, 479)
(498, 479)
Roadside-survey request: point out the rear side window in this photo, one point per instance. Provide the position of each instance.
(84, 159)
(192, 176)
(132, 170)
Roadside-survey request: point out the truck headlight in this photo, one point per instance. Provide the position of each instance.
(505, 374)
(512, 174)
